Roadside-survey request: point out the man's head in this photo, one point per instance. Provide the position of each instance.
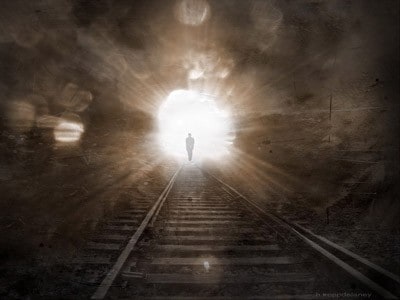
(189, 134)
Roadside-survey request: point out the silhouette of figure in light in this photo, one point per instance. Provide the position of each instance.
(189, 146)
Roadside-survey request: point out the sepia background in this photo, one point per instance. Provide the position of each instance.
(310, 87)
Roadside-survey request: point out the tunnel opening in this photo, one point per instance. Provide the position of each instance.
(188, 111)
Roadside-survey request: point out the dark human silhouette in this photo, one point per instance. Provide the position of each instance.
(189, 146)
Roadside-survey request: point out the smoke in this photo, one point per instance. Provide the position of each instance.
(257, 55)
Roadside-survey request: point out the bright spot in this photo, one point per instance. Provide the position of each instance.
(206, 266)
(223, 73)
(192, 12)
(195, 74)
(186, 111)
(68, 132)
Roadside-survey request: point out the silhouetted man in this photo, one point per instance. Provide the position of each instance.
(189, 146)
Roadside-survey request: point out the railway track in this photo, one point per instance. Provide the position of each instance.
(202, 239)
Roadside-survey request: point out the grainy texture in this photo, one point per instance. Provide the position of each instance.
(311, 88)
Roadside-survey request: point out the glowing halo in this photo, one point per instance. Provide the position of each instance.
(187, 111)
(68, 132)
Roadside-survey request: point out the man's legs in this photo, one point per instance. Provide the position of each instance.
(190, 153)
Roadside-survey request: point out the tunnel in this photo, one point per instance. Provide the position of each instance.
(116, 115)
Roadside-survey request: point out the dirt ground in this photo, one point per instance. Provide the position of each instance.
(50, 207)
(350, 197)
(53, 199)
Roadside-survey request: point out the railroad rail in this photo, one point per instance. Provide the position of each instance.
(203, 239)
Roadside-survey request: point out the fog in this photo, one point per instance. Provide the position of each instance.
(311, 87)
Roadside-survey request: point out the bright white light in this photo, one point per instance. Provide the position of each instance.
(186, 111)
(206, 266)
(195, 74)
(68, 132)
